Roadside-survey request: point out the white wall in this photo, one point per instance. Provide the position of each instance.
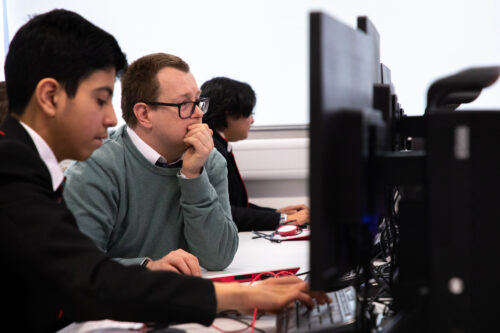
(275, 170)
(265, 42)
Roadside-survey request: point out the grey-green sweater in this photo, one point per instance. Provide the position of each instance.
(133, 209)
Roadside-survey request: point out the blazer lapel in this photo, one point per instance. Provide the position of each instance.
(13, 130)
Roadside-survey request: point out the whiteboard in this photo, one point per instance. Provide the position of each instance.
(266, 43)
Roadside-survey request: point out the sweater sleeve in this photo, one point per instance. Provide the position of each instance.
(209, 230)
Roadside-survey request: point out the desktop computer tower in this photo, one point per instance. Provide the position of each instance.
(463, 202)
(450, 229)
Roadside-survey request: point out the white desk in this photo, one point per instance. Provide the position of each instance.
(261, 255)
(255, 255)
(258, 255)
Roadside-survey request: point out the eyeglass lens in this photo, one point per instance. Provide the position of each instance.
(188, 108)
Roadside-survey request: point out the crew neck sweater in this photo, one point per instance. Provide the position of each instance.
(133, 209)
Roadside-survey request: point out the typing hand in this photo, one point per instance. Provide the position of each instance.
(292, 209)
(178, 261)
(270, 295)
(200, 143)
(300, 217)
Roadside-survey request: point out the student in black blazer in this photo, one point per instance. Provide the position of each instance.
(60, 73)
(230, 115)
(3, 101)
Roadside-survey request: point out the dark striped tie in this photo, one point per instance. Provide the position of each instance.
(59, 191)
(177, 164)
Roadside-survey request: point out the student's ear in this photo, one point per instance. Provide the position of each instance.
(48, 95)
(141, 111)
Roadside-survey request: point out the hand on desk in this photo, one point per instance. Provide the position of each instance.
(178, 261)
(270, 295)
(299, 214)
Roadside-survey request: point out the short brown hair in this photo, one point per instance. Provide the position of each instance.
(140, 82)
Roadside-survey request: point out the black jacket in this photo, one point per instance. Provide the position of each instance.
(52, 274)
(247, 216)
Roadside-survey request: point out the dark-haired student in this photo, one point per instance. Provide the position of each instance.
(230, 116)
(59, 108)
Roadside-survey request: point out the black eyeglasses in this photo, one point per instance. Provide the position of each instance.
(186, 109)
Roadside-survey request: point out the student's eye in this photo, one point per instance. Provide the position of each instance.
(101, 102)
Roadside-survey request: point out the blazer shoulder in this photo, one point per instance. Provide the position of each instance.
(21, 162)
(16, 152)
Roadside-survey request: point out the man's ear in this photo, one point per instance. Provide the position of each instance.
(48, 95)
(142, 114)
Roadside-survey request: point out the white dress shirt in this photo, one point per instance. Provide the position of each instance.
(147, 151)
(47, 156)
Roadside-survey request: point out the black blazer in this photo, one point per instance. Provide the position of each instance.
(247, 216)
(52, 274)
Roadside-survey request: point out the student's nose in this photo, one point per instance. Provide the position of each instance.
(110, 119)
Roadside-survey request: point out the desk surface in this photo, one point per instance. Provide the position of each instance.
(254, 255)
(258, 255)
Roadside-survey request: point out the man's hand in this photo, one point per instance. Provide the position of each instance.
(178, 261)
(298, 214)
(200, 142)
(270, 295)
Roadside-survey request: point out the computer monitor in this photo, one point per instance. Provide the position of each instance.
(347, 134)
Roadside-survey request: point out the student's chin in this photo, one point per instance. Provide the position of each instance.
(85, 154)
(96, 143)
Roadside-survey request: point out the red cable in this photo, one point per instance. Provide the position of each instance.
(276, 275)
(238, 331)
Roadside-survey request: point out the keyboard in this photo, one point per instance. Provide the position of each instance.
(341, 312)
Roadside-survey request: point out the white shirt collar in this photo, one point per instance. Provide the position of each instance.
(229, 146)
(146, 150)
(47, 156)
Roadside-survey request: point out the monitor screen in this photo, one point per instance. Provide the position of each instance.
(347, 134)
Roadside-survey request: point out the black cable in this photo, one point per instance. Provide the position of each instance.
(235, 315)
(269, 237)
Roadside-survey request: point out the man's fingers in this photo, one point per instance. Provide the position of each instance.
(185, 262)
(199, 144)
(181, 265)
(161, 265)
(194, 265)
(199, 129)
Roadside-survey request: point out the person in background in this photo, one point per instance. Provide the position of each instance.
(59, 108)
(230, 117)
(156, 192)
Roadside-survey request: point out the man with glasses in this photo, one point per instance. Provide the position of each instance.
(156, 192)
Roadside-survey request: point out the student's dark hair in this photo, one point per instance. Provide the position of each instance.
(228, 97)
(59, 44)
(140, 82)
